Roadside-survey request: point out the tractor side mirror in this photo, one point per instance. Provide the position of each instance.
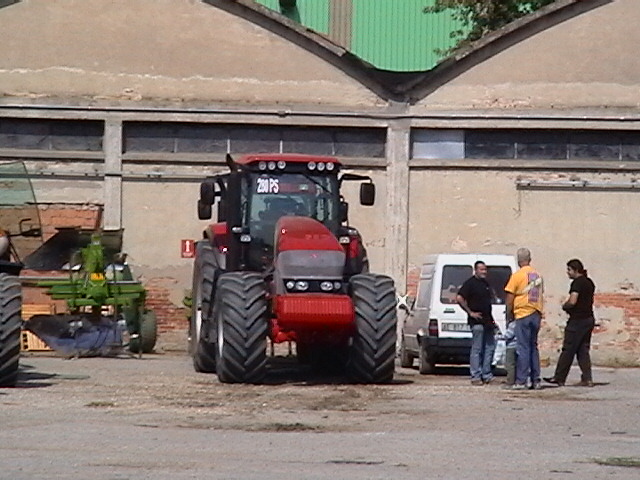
(344, 212)
(204, 210)
(207, 193)
(367, 194)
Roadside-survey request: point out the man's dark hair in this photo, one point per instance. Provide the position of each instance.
(577, 265)
(479, 262)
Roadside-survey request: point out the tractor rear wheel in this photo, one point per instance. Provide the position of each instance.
(10, 325)
(241, 313)
(202, 348)
(373, 348)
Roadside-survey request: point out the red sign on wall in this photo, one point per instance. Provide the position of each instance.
(187, 248)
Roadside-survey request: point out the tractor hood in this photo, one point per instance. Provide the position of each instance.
(307, 249)
(304, 233)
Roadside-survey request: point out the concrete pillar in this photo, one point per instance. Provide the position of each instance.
(397, 238)
(112, 147)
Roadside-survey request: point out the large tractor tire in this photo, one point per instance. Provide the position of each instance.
(10, 325)
(373, 348)
(241, 313)
(202, 348)
(146, 342)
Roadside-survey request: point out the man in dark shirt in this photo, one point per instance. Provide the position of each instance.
(475, 298)
(577, 333)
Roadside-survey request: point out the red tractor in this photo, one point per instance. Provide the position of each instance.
(282, 263)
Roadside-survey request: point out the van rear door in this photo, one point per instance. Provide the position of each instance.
(452, 319)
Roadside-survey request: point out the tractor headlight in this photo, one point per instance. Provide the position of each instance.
(302, 286)
(344, 240)
(290, 285)
(326, 286)
(311, 165)
(337, 285)
(245, 238)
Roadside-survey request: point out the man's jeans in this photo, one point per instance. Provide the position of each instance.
(528, 361)
(483, 344)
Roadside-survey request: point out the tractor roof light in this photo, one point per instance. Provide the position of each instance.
(311, 165)
(321, 166)
(330, 166)
(245, 238)
(344, 240)
(271, 165)
(262, 166)
(282, 164)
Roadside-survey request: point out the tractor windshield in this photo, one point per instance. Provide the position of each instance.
(18, 208)
(274, 195)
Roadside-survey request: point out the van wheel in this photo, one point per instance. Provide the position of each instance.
(406, 359)
(426, 362)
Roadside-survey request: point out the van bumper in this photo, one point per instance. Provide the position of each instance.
(454, 350)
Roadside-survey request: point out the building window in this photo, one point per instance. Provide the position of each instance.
(238, 139)
(58, 135)
(533, 144)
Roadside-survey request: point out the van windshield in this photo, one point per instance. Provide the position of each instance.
(453, 276)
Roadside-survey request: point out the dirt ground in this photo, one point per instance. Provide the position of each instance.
(128, 418)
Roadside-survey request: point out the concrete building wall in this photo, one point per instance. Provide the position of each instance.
(171, 50)
(589, 60)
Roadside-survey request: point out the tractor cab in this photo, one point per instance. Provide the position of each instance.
(262, 189)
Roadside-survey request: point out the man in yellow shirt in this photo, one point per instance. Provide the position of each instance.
(524, 306)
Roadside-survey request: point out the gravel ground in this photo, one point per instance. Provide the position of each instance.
(155, 418)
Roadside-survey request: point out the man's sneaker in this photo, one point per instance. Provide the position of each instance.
(488, 381)
(517, 386)
(554, 381)
(584, 383)
(535, 386)
(476, 381)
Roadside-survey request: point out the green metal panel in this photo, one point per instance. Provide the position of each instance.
(313, 13)
(397, 35)
(390, 34)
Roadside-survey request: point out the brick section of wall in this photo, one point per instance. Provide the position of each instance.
(170, 317)
(618, 330)
(65, 215)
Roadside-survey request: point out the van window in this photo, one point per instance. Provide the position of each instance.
(453, 276)
(498, 278)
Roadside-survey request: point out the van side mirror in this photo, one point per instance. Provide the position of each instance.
(367, 194)
(207, 193)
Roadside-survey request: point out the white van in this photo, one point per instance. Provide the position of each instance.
(435, 328)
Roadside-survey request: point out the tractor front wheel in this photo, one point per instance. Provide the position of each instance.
(373, 347)
(10, 324)
(240, 309)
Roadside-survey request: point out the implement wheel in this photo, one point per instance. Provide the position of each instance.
(148, 334)
(10, 325)
(241, 313)
(202, 346)
(372, 353)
